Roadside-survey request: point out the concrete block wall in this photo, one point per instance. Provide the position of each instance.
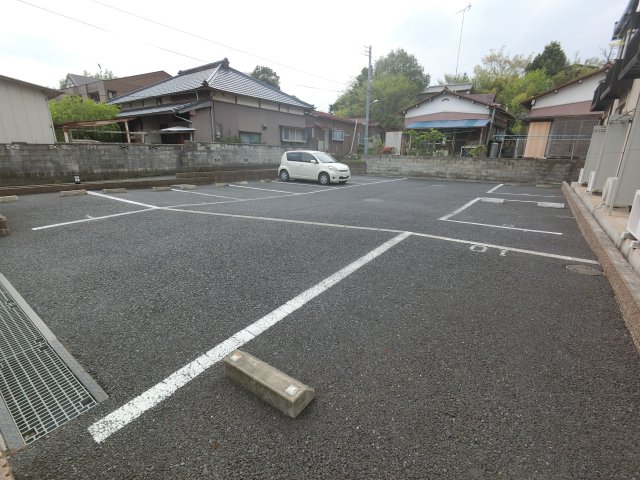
(22, 164)
(525, 170)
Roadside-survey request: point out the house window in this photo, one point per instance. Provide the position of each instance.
(338, 135)
(310, 132)
(291, 134)
(250, 138)
(111, 94)
(95, 96)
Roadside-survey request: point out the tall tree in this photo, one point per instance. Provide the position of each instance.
(552, 60)
(402, 63)
(396, 81)
(497, 69)
(267, 75)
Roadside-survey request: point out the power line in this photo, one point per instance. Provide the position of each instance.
(199, 37)
(107, 31)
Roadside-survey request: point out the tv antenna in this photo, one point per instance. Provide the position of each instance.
(463, 11)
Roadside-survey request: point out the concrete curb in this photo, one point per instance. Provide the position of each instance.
(622, 277)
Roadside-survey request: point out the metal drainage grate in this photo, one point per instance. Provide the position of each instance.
(37, 387)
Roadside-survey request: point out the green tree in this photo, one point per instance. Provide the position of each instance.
(390, 93)
(452, 79)
(552, 60)
(266, 75)
(425, 142)
(519, 89)
(399, 62)
(497, 69)
(397, 80)
(73, 108)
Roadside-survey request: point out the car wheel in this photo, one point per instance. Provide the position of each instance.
(284, 175)
(324, 179)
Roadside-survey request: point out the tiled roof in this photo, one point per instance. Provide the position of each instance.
(167, 108)
(217, 76)
(454, 87)
(79, 80)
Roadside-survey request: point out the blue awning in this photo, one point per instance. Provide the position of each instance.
(473, 123)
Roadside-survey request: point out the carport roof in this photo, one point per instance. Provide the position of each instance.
(449, 124)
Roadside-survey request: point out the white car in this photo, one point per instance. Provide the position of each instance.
(312, 165)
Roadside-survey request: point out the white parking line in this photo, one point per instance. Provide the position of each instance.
(202, 193)
(154, 207)
(524, 194)
(120, 418)
(464, 207)
(505, 227)
(93, 219)
(263, 189)
(495, 188)
(120, 199)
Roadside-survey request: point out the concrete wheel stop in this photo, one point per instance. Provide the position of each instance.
(278, 389)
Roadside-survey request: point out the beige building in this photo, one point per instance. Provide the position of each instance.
(24, 112)
(612, 165)
(561, 120)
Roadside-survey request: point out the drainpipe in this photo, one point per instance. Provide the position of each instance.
(355, 129)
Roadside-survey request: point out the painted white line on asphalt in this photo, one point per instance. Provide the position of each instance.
(120, 418)
(202, 193)
(289, 194)
(500, 200)
(84, 220)
(502, 248)
(505, 227)
(263, 189)
(506, 249)
(524, 194)
(464, 207)
(495, 188)
(120, 199)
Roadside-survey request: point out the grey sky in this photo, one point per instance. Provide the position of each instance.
(316, 51)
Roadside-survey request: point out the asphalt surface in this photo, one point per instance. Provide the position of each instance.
(461, 352)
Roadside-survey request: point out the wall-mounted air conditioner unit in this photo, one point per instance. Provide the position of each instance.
(591, 184)
(633, 227)
(609, 191)
(582, 178)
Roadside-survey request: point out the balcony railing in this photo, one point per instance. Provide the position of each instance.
(613, 86)
(630, 68)
(598, 104)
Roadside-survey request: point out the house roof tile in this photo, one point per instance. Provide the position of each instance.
(217, 76)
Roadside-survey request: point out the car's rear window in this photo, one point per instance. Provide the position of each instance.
(294, 156)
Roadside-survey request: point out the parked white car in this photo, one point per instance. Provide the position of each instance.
(312, 165)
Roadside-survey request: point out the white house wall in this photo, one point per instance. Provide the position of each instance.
(24, 114)
(575, 93)
(447, 103)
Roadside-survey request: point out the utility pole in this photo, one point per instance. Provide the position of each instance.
(366, 121)
(463, 11)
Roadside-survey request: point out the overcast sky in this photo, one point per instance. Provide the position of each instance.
(315, 47)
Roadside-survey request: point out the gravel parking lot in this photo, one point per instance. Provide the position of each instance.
(446, 337)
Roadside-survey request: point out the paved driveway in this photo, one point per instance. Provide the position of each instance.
(444, 334)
